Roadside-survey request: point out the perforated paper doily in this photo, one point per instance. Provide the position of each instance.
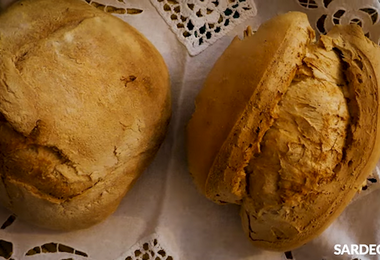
(199, 23)
(324, 14)
(163, 217)
(149, 248)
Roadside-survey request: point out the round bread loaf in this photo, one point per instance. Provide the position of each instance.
(288, 128)
(84, 107)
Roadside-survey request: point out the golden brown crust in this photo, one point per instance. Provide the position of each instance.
(294, 165)
(84, 101)
(216, 144)
(288, 227)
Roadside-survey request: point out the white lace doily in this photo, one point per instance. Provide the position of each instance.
(166, 194)
(199, 23)
(149, 248)
(324, 14)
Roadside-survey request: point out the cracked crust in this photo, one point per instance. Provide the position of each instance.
(222, 136)
(74, 135)
(304, 137)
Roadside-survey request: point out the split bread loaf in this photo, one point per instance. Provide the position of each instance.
(84, 107)
(288, 128)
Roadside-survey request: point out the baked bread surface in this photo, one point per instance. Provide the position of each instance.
(84, 105)
(301, 135)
